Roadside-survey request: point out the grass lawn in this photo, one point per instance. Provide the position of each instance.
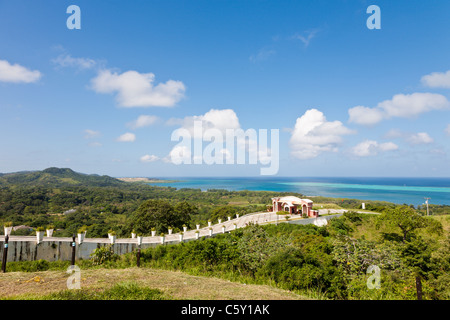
(134, 283)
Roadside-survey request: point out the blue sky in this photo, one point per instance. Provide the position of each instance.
(376, 101)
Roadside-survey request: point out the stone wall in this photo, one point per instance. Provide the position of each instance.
(26, 248)
(54, 250)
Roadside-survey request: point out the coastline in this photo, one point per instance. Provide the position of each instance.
(395, 190)
(145, 180)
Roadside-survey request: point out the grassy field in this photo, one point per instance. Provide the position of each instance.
(145, 283)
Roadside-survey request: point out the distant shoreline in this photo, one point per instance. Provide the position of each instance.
(145, 180)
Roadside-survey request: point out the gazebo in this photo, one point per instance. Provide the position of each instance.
(294, 205)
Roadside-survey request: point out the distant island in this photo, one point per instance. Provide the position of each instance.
(146, 180)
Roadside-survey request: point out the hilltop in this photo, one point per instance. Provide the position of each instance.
(57, 177)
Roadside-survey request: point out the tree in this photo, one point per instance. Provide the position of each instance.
(256, 246)
(183, 212)
(160, 214)
(223, 212)
(404, 218)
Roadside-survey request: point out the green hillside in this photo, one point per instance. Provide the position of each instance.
(56, 177)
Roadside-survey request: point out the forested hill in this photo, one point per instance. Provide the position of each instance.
(57, 177)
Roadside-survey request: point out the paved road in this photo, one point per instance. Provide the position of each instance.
(258, 217)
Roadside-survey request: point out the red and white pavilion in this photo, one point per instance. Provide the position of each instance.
(294, 205)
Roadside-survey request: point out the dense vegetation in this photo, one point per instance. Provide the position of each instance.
(328, 262)
(69, 200)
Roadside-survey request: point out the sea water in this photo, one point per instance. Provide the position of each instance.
(397, 190)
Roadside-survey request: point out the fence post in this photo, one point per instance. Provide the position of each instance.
(419, 287)
(5, 254)
(73, 250)
(138, 261)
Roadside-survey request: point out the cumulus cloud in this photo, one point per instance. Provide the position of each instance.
(447, 129)
(16, 73)
(143, 121)
(127, 137)
(437, 80)
(216, 124)
(401, 105)
(365, 116)
(136, 89)
(215, 121)
(420, 138)
(313, 134)
(220, 119)
(66, 60)
(149, 158)
(372, 148)
(179, 154)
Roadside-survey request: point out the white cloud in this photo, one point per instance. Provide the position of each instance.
(411, 105)
(411, 138)
(66, 60)
(89, 134)
(149, 158)
(143, 121)
(401, 105)
(313, 134)
(364, 115)
(16, 73)
(179, 154)
(136, 89)
(387, 146)
(214, 126)
(437, 80)
(127, 137)
(371, 148)
(220, 119)
(420, 138)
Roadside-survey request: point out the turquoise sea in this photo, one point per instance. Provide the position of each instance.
(396, 190)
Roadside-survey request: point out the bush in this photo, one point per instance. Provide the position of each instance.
(353, 217)
(102, 255)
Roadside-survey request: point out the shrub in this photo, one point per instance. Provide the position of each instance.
(340, 226)
(102, 255)
(354, 217)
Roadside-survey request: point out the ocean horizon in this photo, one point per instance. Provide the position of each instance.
(398, 190)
